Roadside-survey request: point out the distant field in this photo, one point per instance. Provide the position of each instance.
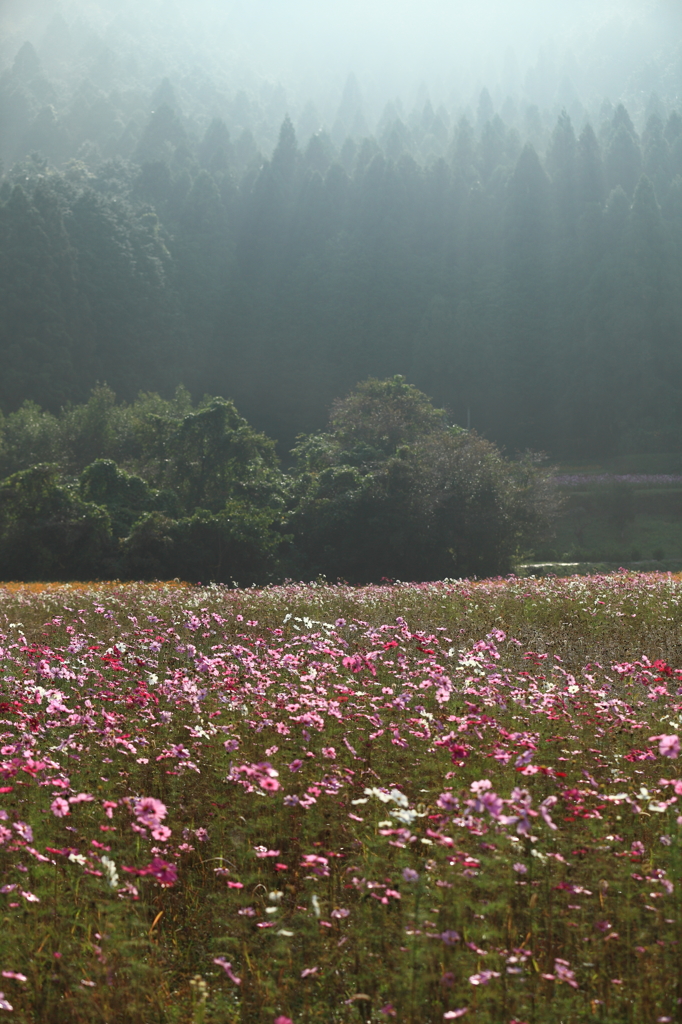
(412, 803)
(613, 518)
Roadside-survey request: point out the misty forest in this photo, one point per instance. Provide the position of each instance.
(275, 278)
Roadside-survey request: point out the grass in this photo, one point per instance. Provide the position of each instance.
(409, 803)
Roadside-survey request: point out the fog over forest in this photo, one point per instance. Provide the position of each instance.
(273, 200)
(295, 56)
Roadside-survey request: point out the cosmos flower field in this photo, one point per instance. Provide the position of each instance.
(313, 803)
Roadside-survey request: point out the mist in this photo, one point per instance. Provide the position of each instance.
(295, 56)
(273, 200)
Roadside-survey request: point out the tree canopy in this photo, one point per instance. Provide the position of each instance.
(163, 489)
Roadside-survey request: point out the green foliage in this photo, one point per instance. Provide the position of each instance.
(124, 496)
(215, 455)
(392, 491)
(202, 496)
(238, 544)
(380, 415)
(47, 532)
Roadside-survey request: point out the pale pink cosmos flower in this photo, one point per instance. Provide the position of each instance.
(4, 1003)
(309, 971)
(483, 977)
(668, 746)
(455, 1014)
(329, 752)
(481, 786)
(59, 807)
(544, 810)
(161, 833)
(447, 802)
(15, 975)
(562, 972)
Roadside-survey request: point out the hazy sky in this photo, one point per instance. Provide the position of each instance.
(310, 46)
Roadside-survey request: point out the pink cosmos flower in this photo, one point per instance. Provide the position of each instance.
(164, 873)
(161, 833)
(669, 746)
(161, 870)
(455, 1014)
(150, 811)
(563, 973)
(227, 967)
(318, 865)
(59, 807)
(283, 1020)
(4, 1003)
(308, 971)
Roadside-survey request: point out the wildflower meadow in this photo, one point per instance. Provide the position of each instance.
(315, 803)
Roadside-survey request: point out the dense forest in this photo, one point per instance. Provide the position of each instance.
(520, 264)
